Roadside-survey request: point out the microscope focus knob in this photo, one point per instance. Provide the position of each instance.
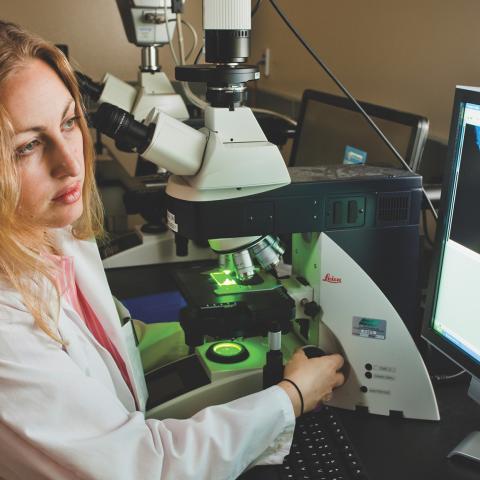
(311, 309)
(312, 351)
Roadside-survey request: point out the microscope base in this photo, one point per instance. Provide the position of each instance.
(195, 382)
(220, 391)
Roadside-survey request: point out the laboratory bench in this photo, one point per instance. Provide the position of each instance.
(389, 448)
(400, 449)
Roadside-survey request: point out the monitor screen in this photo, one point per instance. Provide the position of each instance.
(332, 131)
(452, 316)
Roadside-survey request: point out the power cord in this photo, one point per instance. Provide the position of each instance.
(440, 378)
(339, 84)
(194, 99)
(256, 7)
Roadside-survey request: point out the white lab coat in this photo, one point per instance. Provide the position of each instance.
(67, 413)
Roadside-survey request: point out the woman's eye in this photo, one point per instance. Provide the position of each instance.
(70, 123)
(27, 148)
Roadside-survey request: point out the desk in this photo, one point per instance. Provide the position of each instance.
(390, 448)
(398, 449)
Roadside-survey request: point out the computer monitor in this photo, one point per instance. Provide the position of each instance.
(452, 313)
(332, 131)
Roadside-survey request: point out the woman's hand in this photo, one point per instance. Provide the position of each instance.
(315, 377)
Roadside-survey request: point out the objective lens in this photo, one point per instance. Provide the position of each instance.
(244, 265)
(225, 261)
(268, 251)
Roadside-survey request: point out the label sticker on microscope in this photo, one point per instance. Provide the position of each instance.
(369, 328)
(172, 225)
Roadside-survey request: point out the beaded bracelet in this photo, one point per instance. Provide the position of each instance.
(299, 393)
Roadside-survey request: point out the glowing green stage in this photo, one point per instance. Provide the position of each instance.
(225, 282)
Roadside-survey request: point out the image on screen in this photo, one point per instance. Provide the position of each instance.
(457, 307)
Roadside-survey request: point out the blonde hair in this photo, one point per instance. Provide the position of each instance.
(25, 269)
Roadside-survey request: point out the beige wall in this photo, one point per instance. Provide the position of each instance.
(93, 30)
(407, 54)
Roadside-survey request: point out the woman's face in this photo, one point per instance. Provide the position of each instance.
(48, 145)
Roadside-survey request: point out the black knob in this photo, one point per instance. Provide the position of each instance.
(311, 351)
(311, 309)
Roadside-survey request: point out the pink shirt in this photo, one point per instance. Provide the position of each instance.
(70, 291)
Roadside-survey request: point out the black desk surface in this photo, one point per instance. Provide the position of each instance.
(390, 448)
(398, 449)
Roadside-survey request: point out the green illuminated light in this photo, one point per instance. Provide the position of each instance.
(223, 279)
(225, 283)
(227, 349)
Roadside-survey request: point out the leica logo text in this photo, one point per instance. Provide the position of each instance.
(331, 279)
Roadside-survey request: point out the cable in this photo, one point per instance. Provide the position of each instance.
(169, 37)
(288, 119)
(181, 45)
(199, 54)
(444, 378)
(349, 96)
(256, 7)
(198, 102)
(195, 38)
(180, 22)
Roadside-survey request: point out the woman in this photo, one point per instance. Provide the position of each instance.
(70, 406)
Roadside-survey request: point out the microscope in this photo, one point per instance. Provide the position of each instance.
(354, 233)
(145, 23)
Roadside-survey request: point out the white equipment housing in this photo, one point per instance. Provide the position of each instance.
(238, 160)
(399, 379)
(154, 91)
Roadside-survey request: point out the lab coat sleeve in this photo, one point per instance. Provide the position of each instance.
(56, 422)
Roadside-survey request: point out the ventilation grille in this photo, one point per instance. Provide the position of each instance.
(393, 208)
(241, 33)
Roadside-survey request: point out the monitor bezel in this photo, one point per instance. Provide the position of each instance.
(416, 123)
(463, 95)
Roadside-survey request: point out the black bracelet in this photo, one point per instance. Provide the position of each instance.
(299, 393)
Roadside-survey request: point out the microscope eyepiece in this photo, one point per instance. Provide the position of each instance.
(123, 128)
(88, 87)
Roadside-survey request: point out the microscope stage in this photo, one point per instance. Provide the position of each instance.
(227, 309)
